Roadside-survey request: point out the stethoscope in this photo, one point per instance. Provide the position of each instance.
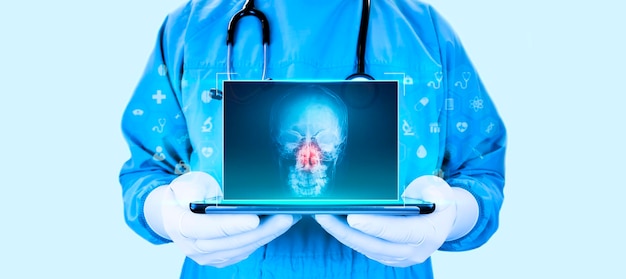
(250, 10)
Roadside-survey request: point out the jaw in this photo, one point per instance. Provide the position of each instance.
(308, 183)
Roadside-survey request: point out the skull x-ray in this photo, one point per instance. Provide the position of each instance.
(309, 127)
(310, 140)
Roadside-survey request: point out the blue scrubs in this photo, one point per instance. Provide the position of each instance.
(447, 122)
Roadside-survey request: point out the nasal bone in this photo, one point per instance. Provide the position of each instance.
(309, 155)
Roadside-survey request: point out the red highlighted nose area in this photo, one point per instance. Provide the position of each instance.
(309, 156)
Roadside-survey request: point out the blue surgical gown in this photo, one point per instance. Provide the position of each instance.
(447, 122)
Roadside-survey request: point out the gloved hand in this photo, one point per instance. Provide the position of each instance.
(211, 239)
(403, 241)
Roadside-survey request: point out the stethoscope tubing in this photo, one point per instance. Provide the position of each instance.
(250, 10)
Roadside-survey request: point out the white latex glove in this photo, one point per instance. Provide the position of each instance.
(403, 241)
(209, 239)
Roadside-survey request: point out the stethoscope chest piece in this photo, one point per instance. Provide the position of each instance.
(216, 94)
(360, 77)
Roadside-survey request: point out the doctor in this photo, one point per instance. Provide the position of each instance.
(452, 139)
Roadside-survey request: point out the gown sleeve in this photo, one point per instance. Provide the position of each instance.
(476, 138)
(154, 127)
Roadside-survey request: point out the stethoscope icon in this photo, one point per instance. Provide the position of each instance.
(466, 78)
(439, 78)
(250, 10)
(161, 126)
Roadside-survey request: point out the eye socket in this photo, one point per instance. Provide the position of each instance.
(328, 141)
(288, 142)
(287, 137)
(324, 138)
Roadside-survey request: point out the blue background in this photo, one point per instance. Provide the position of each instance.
(555, 69)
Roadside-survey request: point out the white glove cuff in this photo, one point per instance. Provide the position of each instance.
(466, 213)
(152, 208)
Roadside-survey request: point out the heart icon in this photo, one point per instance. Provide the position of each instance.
(462, 126)
(207, 151)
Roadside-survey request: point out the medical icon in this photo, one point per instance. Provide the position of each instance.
(436, 84)
(162, 70)
(421, 152)
(159, 128)
(205, 96)
(407, 129)
(158, 154)
(466, 78)
(138, 112)
(408, 80)
(489, 127)
(423, 102)
(207, 126)
(462, 126)
(434, 128)
(309, 127)
(476, 104)
(181, 168)
(449, 103)
(207, 151)
(182, 139)
(159, 97)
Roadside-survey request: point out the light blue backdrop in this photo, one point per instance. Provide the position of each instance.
(554, 68)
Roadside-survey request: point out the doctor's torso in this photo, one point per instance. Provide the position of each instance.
(315, 42)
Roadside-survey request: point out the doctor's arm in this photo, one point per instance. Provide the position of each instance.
(474, 160)
(157, 185)
(468, 199)
(156, 139)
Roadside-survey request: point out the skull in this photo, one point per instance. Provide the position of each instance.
(309, 128)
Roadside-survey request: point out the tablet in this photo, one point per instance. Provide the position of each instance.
(310, 147)
(265, 209)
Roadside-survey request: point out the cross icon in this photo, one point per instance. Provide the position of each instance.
(158, 97)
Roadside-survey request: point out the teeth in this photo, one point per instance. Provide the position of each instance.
(308, 183)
